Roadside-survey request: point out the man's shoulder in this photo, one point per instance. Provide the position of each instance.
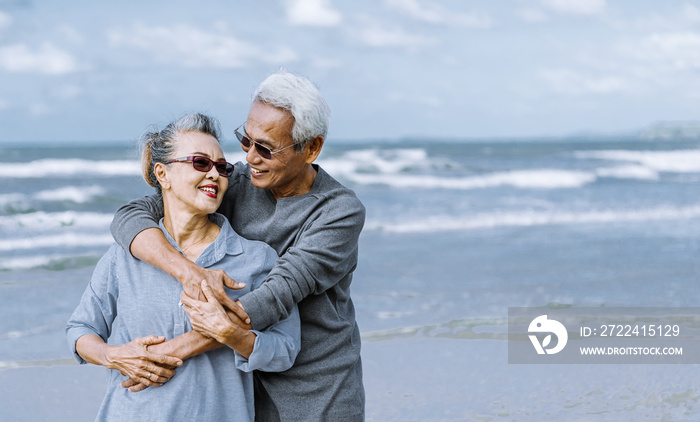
(339, 194)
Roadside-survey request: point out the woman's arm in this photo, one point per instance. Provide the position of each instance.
(91, 323)
(185, 346)
(272, 350)
(132, 359)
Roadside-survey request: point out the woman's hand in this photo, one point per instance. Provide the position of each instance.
(210, 319)
(135, 361)
(217, 280)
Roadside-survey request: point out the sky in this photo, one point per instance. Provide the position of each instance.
(83, 71)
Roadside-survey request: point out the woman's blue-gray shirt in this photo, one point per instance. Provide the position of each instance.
(127, 298)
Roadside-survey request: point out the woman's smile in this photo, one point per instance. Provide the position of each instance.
(210, 190)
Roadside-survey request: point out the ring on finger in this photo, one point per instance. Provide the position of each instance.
(148, 376)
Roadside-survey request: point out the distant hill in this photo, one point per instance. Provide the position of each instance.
(671, 130)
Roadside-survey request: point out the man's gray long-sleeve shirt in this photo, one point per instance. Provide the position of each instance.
(316, 236)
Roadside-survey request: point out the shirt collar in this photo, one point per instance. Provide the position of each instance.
(227, 243)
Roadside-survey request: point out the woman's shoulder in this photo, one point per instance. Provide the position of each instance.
(232, 238)
(114, 259)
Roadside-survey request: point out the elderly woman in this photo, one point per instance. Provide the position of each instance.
(284, 199)
(129, 307)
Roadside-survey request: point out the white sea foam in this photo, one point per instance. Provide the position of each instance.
(628, 172)
(51, 167)
(64, 240)
(77, 194)
(12, 198)
(39, 221)
(387, 161)
(409, 168)
(679, 161)
(528, 219)
(30, 332)
(29, 262)
(530, 179)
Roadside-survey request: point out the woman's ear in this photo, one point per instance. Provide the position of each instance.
(162, 175)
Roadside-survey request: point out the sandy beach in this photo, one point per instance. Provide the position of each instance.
(423, 379)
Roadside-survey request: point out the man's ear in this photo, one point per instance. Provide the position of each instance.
(314, 149)
(162, 175)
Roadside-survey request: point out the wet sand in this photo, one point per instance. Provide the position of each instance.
(423, 379)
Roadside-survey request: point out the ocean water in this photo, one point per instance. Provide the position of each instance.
(456, 233)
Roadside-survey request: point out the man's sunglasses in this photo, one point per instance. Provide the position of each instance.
(262, 150)
(204, 164)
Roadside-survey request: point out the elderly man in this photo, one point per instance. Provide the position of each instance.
(313, 222)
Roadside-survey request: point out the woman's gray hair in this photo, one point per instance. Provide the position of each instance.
(158, 146)
(301, 97)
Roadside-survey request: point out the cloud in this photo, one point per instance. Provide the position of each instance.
(404, 98)
(570, 82)
(680, 49)
(380, 36)
(48, 59)
(665, 51)
(39, 109)
(439, 15)
(691, 13)
(66, 91)
(312, 13)
(576, 7)
(326, 64)
(70, 34)
(5, 20)
(191, 47)
(531, 15)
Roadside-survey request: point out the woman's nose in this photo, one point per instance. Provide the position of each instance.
(213, 174)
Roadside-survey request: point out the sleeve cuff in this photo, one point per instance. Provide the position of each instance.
(72, 336)
(260, 356)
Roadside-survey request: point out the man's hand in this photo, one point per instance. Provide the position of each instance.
(211, 320)
(217, 280)
(152, 247)
(208, 317)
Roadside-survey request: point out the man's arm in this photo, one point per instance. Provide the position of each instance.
(324, 254)
(135, 217)
(135, 228)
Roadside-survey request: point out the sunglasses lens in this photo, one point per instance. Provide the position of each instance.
(225, 169)
(263, 151)
(243, 140)
(202, 164)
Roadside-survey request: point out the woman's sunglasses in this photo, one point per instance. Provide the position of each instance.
(262, 150)
(204, 164)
